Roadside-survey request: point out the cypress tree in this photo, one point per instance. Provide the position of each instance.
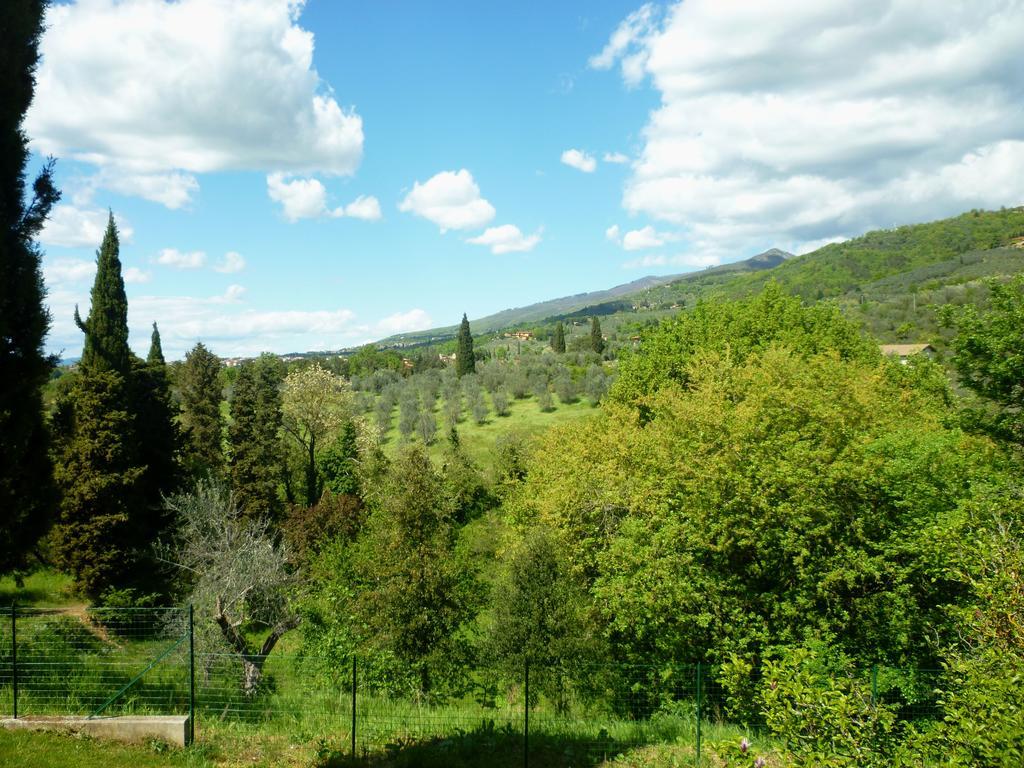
(156, 350)
(27, 495)
(105, 515)
(201, 421)
(596, 338)
(106, 329)
(558, 338)
(101, 483)
(160, 441)
(464, 360)
(254, 440)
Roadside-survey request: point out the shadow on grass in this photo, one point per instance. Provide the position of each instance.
(483, 746)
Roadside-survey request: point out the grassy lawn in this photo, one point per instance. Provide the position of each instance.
(22, 749)
(524, 417)
(43, 589)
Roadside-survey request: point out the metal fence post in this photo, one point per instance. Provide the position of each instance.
(526, 715)
(353, 706)
(191, 676)
(699, 707)
(14, 657)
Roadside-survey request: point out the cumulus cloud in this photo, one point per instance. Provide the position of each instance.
(365, 207)
(628, 44)
(506, 239)
(73, 227)
(152, 93)
(580, 160)
(450, 199)
(648, 237)
(613, 234)
(403, 322)
(809, 121)
(616, 158)
(172, 257)
(685, 260)
(307, 199)
(68, 271)
(231, 263)
(134, 275)
(173, 190)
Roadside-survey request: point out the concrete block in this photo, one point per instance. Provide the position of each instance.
(172, 729)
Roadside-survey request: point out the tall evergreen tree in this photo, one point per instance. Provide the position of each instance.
(596, 337)
(160, 440)
(558, 338)
(156, 350)
(106, 328)
(104, 513)
(199, 384)
(254, 439)
(102, 484)
(27, 495)
(464, 360)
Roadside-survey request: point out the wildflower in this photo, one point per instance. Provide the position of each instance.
(744, 745)
(760, 762)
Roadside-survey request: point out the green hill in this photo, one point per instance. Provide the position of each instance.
(886, 279)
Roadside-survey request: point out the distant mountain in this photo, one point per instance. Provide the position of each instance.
(878, 272)
(531, 313)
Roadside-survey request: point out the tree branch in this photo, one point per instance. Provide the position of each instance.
(268, 645)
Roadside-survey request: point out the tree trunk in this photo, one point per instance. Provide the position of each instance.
(252, 674)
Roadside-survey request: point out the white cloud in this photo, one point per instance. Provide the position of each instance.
(231, 263)
(74, 227)
(648, 237)
(612, 233)
(506, 239)
(615, 157)
(627, 44)
(687, 260)
(172, 257)
(152, 93)
(450, 199)
(403, 322)
(307, 199)
(173, 190)
(364, 207)
(68, 271)
(580, 160)
(804, 122)
(134, 275)
(300, 198)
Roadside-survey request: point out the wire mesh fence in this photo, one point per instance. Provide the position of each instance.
(106, 661)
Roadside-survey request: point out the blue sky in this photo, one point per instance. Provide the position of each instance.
(297, 176)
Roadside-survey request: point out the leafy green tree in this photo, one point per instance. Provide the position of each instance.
(339, 462)
(27, 494)
(538, 613)
(558, 338)
(596, 337)
(315, 405)
(738, 329)
(775, 498)
(465, 362)
(988, 353)
(254, 438)
(201, 420)
(415, 595)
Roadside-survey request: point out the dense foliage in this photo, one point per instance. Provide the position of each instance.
(26, 485)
